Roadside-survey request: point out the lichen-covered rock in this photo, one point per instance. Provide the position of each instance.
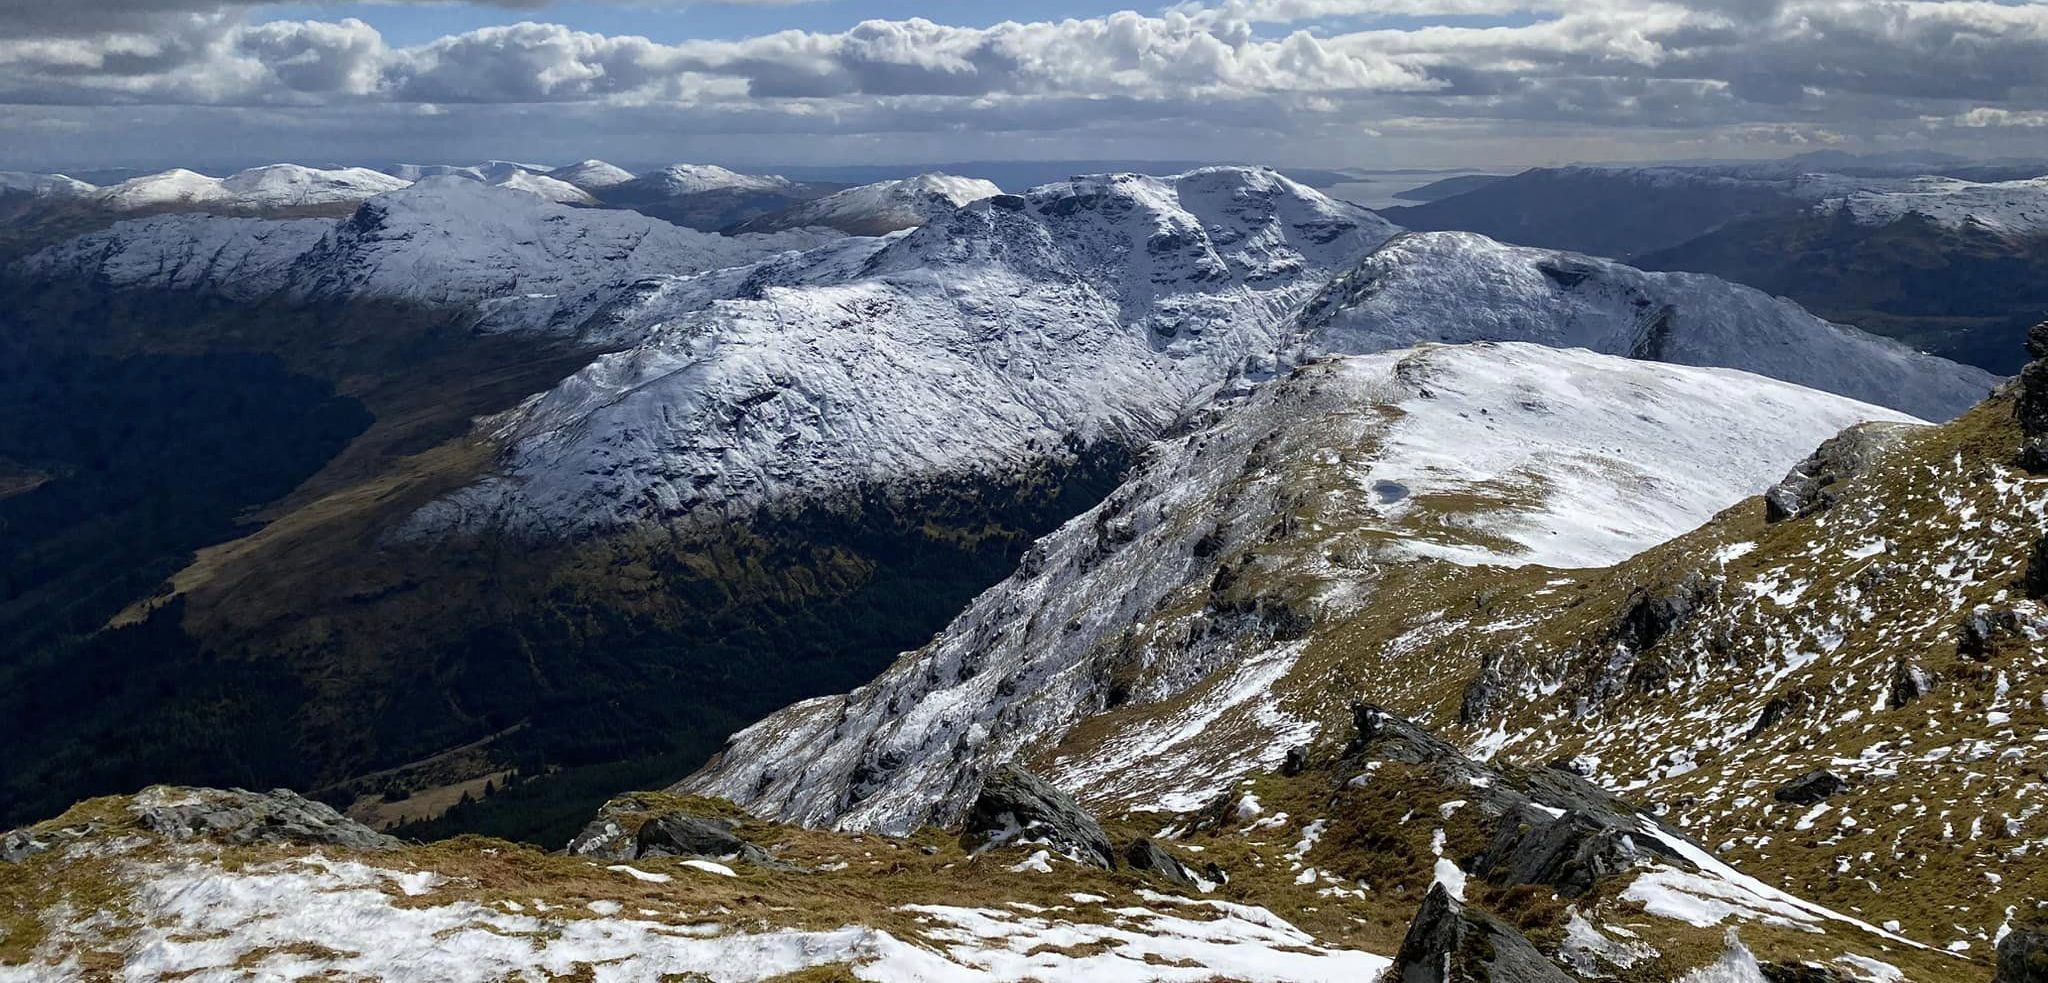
(1016, 806)
(1812, 787)
(243, 818)
(1450, 942)
(1810, 486)
(1145, 855)
(235, 817)
(21, 844)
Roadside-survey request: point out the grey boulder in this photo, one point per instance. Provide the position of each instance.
(1450, 942)
(1016, 806)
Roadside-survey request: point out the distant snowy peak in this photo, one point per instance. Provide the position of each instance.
(592, 175)
(552, 189)
(1152, 239)
(883, 207)
(490, 171)
(979, 348)
(690, 179)
(1460, 287)
(44, 185)
(522, 262)
(286, 185)
(2012, 207)
(272, 187)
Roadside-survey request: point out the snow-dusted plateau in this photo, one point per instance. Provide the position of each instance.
(1178, 577)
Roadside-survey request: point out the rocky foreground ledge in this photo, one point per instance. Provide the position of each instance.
(1383, 853)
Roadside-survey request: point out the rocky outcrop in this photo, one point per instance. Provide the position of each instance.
(1571, 853)
(1910, 681)
(1145, 855)
(1812, 787)
(244, 818)
(1812, 485)
(1987, 630)
(2023, 956)
(2031, 406)
(1450, 942)
(1016, 806)
(235, 817)
(650, 825)
(678, 835)
(1550, 827)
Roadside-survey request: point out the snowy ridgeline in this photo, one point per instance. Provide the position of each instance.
(883, 207)
(2012, 207)
(286, 186)
(1586, 458)
(2017, 207)
(984, 345)
(524, 263)
(977, 347)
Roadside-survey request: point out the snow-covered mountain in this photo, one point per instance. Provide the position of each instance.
(592, 175)
(489, 172)
(49, 185)
(552, 189)
(523, 262)
(277, 186)
(881, 208)
(2017, 208)
(1459, 287)
(691, 179)
(1493, 454)
(1089, 312)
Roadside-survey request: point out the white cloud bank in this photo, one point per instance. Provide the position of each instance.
(1792, 71)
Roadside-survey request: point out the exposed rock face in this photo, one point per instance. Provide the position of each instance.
(232, 816)
(1988, 630)
(1809, 487)
(1811, 787)
(1016, 806)
(1450, 943)
(2023, 955)
(1571, 852)
(1551, 827)
(1651, 615)
(1145, 855)
(2032, 406)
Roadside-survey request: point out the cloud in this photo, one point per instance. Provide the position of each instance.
(1310, 70)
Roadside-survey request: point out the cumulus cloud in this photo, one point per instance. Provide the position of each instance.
(1784, 68)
